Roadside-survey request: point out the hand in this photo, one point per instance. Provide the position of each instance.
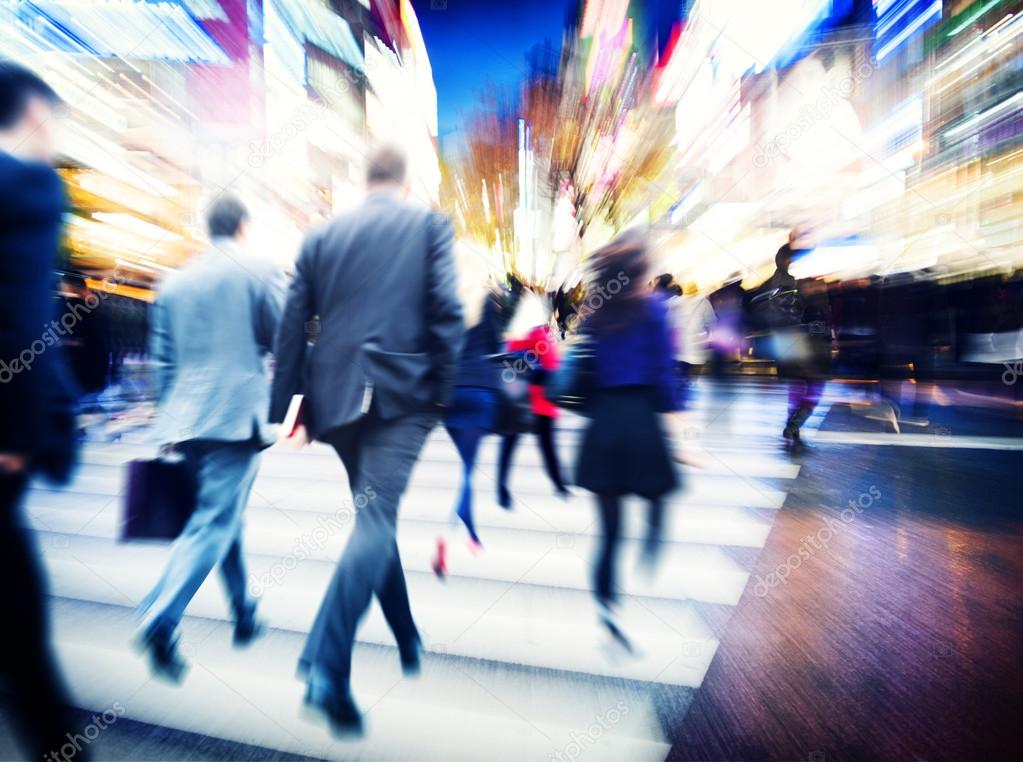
(12, 462)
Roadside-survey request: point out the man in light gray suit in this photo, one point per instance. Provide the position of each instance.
(381, 281)
(213, 325)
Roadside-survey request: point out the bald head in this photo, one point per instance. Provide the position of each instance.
(386, 167)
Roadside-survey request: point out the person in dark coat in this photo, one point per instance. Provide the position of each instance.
(87, 345)
(799, 317)
(37, 397)
(625, 450)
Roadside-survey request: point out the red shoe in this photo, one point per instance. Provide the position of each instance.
(440, 563)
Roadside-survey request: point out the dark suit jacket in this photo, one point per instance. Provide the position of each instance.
(381, 280)
(37, 394)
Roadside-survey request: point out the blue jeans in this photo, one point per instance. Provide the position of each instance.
(225, 472)
(467, 442)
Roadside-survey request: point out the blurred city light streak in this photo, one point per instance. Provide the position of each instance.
(890, 130)
(169, 103)
(892, 125)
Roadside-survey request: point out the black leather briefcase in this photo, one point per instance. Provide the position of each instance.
(159, 501)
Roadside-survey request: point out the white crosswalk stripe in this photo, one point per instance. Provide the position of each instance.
(516, 668)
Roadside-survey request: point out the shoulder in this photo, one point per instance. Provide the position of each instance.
(15, 172)
(261, 267)
(30, 186)
(168, 287)
(434, 220)
(656, 309)
(311, 241)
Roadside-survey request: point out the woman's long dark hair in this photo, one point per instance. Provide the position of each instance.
(617, 293)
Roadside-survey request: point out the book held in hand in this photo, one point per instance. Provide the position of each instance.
(293, 431)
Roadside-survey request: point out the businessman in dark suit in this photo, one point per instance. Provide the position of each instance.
(37, 433)
(380, 278)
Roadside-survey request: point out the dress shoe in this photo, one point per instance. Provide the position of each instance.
(247, 627)
(164, 660)
(410, 654)
(338, 706)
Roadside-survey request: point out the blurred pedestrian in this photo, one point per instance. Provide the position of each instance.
(798, 317)
(664, 286)
(537, 350)
(37, 397)
(692, 320)
(728, 331)
(625, 450)
(475, 405)
(381, 279)
(214, 322)
(87, 343)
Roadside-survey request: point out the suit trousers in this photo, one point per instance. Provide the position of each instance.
(225, 472)
(379, 456)
(27, 664)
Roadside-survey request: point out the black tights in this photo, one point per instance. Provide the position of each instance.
(611, 523)
(544, 427)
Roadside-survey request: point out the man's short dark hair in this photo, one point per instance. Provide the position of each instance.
(225, 216)
(386, 165)
(18, 86)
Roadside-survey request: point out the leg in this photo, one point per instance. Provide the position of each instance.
(604, 571)
(232, 571)
(225, 474)
(797, 391)
(545, 433)
(232, 567)
(467, 441)
(812, 396)
(41, 713)
(654, 530)
(508, 443)
(393, 597)
(384, 456)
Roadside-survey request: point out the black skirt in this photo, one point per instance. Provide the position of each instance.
(625, 450)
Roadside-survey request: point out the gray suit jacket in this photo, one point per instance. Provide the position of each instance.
(381, 280)
(212, 327)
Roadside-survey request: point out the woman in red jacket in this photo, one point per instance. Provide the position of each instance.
(540, 350)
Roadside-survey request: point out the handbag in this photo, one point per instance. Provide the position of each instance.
(571, 386)
(160, 499)
(514, 411)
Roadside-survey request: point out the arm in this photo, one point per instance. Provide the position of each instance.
(289, 346)
(444, 312)
(31, 218)
(270, 305)
(161, 349)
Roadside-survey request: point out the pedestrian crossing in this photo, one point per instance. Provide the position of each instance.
(516, 665)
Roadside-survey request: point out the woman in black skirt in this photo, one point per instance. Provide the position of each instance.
(624, 450)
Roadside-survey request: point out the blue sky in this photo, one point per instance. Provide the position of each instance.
(472, 42)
